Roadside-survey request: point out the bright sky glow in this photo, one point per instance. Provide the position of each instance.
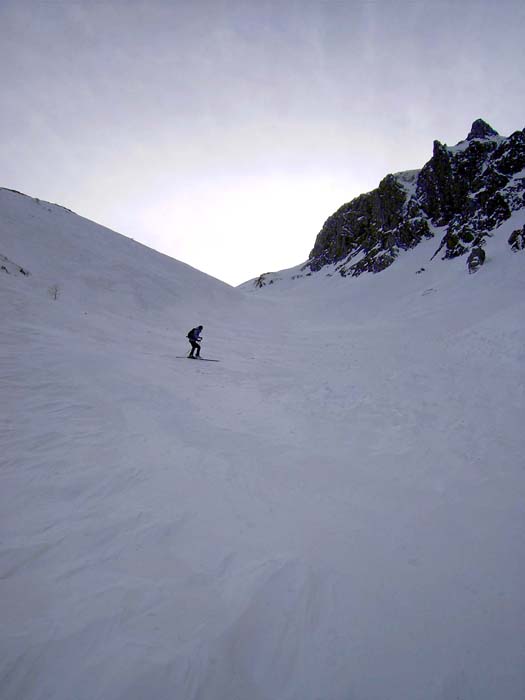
(224, 133)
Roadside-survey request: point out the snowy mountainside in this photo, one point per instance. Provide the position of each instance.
(460, 198)
(90, 267)
(334, 510)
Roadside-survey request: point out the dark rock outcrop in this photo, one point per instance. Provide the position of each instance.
(262, 280)
(517, 239)
(476, 259)
(463, 193)
(481, 130)
(9, 267)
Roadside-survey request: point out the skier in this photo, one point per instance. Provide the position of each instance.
(194, 336)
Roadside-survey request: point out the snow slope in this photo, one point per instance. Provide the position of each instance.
(334, 511)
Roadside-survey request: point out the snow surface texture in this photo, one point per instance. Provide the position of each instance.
(335, 511)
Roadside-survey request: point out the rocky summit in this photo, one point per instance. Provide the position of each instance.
(460, 197)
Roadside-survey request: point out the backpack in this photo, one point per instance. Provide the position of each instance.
(191, 334)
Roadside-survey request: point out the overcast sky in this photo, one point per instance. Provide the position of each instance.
(225, 132)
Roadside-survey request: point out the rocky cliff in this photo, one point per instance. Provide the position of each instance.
(461, 195)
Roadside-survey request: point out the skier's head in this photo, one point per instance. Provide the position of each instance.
(200, 327)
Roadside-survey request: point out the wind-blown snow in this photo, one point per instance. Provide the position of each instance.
(335, 510)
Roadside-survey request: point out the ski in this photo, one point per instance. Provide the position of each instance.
(201, 359)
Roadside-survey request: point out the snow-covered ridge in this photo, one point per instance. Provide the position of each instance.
(407, 177)
(462, 146)
(36, 200)
(90, 263)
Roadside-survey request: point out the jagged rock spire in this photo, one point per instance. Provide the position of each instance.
(481, 130)
(470, 189)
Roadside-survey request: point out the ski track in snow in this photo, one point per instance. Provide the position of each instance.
(334, 511)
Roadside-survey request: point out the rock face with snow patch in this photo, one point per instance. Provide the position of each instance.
(470, 189)
(517, 239)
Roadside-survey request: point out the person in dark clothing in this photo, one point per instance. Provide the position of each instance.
(194, 336)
